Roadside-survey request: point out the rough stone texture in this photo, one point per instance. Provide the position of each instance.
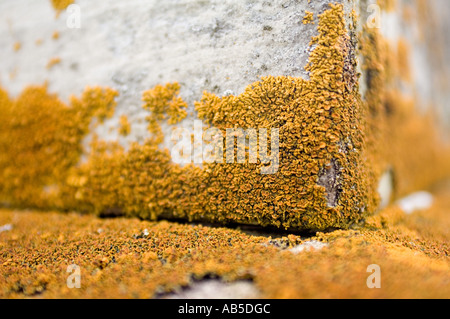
(329, 179)
(308, 246)
(416, 202)
(132, 46)
(216, 289)
(220, 47)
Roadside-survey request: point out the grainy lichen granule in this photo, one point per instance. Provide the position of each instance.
(60, 5)
(333, 146)
(119, 259)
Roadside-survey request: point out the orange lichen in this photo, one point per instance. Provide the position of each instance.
(394, 123)
(164, 102)
(327, 133)
(332, 148)
(388, 5)
(53, 62)
(400, 63)
(322, 178)
(319, 131)
(40, 140)
(17, 46)
(308, 18)
(60, 5)
(55, 35)
(128, 258)
(124, 128)
(408, 13)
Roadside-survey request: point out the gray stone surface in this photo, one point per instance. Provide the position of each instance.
(311, 245)
(131, 46)
(6, 227)
(216, 289)
(416, 202)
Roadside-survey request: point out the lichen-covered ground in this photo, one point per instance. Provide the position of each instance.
(129, 258)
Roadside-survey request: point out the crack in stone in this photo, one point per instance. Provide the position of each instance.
(329, 178)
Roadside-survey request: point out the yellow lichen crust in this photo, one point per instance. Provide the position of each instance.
(53, 62)
(128, 258)
(40, 140)
(388, 5)
(125, 127)
(60, 5)
(333, 146)
(17, 46)
(321, 180)
(399, 138)
(308, 18)
(320, 138)
(164, 102)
